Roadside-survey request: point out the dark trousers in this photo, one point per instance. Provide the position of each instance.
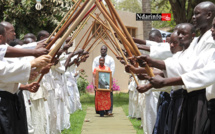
(197, 112)
(187, 113)
(210, 125)
(11, 114)
(176, 110)
(163, 104)
(111, 108)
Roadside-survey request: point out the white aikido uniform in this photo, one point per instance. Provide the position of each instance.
(57, 72)
(149, 102)
(159, 51)
(134, 110)
(66, 123)
(73, 87)
(11, 75)
(188, 60)
(37, 110)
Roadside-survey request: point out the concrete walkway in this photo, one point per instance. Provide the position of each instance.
(118, 124)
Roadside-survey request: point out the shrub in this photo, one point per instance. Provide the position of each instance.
(82, 83)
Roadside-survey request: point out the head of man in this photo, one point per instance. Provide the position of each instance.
(213, 29)
(103, 51)
(203, 15)
(30, 35)
(10, 31)
(2, 35)
(177, 27)
(168, 38)
(101, 61)
(155, 35)
(174, 43)
(28, 40)
(16, 42)
(42, 35)
(186, 33)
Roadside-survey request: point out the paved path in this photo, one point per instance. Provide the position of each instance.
(118, 124)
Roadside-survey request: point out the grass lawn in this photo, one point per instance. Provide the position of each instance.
(77, 118)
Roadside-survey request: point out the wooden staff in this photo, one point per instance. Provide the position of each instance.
(79, 28)
(86, 41)
(61, 22)
(62, 30)
(112, 42)
(99, 21)
(76, 7)
(71, 28)
(108, 47)
(116, 29)
(117, 45)
(99, 35)
(90, 28)
(110, 39)
(148, 69)
(96, 44)
(113, 17)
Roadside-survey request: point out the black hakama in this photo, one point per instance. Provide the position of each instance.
(163, 105)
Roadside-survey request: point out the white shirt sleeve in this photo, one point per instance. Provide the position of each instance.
(27, 46)
(3, 50)
(199, 78)
(160, 52)
(112, 65)
(17, 72)
(94, 63)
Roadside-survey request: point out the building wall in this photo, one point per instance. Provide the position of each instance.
(129, 20)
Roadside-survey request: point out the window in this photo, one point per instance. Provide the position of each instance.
(132, 31)
(100, 30)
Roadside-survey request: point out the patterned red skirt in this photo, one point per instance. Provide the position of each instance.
(102, 100)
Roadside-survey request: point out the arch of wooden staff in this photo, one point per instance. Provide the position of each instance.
(112, 20)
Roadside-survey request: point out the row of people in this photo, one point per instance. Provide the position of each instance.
(185, 77)
(48, 105)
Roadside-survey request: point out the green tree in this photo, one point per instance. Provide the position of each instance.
(162, 6)
(182, 9)
(25, 18)
(134, 6)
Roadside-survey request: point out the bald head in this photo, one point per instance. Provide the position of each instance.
(155, 35)
(10, 31)
(6, 24)
(203, 16)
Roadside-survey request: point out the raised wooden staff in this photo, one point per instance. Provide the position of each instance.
(88, 5)
(148, 69)
(61, 22)
(118, 46)
(90, 28)
(63, 29)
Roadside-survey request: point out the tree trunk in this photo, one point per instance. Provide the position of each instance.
(147, 25)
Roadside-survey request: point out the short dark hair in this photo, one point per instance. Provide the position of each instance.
(155, 32)
(102, 57)
(41, 33)
(193, 30)
(2, 30)
(168, 35)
